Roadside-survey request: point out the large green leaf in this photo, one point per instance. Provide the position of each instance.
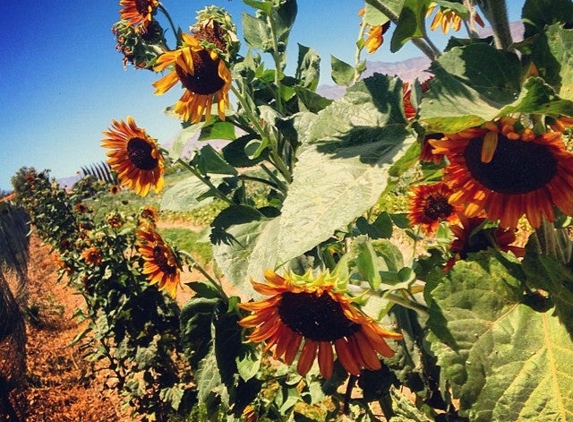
(344, 167)
(186, 195)
(539, 98)
(471, 84)
(257, 33)
(537, 14)
(411, 23)
(551, 53)
(244, 245)
(504, 360)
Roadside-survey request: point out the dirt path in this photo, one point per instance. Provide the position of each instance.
(62, 385)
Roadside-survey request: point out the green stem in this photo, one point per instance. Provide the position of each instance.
(260, 180)
(279, 66)
(407, 303)
(280, 183)
(215, 283)
(168, 16)
(495, 11)
(206, 181)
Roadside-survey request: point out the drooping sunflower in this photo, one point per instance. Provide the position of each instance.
(508, 172)
(470, 237)
(429, 205)
(203, 74)
(135, 157)
(314, 310)
(447, 18)
(138, 12)
(375, 37)
(160, 262)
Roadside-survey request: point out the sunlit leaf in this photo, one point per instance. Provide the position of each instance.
(504, 360)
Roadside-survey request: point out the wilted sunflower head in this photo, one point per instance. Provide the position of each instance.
(215, 30)
(139, 47)
(506, 170)
(203, 74)
(317, 310)
(134, 156)
(160, 263)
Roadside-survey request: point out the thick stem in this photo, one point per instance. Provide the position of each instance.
(168, 16)
(495, 11)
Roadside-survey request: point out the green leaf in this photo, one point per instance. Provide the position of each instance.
(308, 68)
(184, 196)
(244, 245)
(256, 32)
(235, 153)
(265, 5)
(310, 100)
(341, 72)
(538, 14)
(182, 139)
(504, 360)
(366, 262)
(467, 89)
(284, 17)
(539, 98)
(218, 130)
(551, 54)
(209, 160)
(195, 322)
(351, 146)
(550, 275)
(374, 17)
(411, 23)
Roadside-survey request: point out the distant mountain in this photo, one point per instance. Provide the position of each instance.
(409, 69)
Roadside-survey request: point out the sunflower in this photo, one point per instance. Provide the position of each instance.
(426, 154)
(471, 235)
(150, 214)
(138, 12)
(203, 75)
(135, 157)
(92, 255)
(429, 205)
(447, 18)
(160, 262)
(376, 37)
(508, 172)
(316, 311)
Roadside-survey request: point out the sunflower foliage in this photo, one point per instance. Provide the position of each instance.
(410, 258)
(132, 329)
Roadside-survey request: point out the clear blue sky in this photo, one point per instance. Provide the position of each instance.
(62, 81)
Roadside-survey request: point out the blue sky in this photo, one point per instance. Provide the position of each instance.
(62, 81)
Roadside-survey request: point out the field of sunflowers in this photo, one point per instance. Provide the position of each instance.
(401, 253)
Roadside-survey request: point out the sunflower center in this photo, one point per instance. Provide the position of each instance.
(142, 6)
(206, 79)
(140, 154)
(318, 318)
(213, 34)
(437, 207)
(161, 258)
(516, 167)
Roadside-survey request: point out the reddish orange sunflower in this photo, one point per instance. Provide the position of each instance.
(138, 12)
(508, 172)
(447, 18)
(429, 206)
(469, 237)
(92, 255)
(316, 311)
(135, 157)
(427, 153)
(202, 73)
(160, 262)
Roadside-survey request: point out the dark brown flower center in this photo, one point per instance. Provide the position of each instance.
(318, 318)
(437, 207)
(161, 257)
(206, 79)
(142, 6)
(516, 167)
(139, 152)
